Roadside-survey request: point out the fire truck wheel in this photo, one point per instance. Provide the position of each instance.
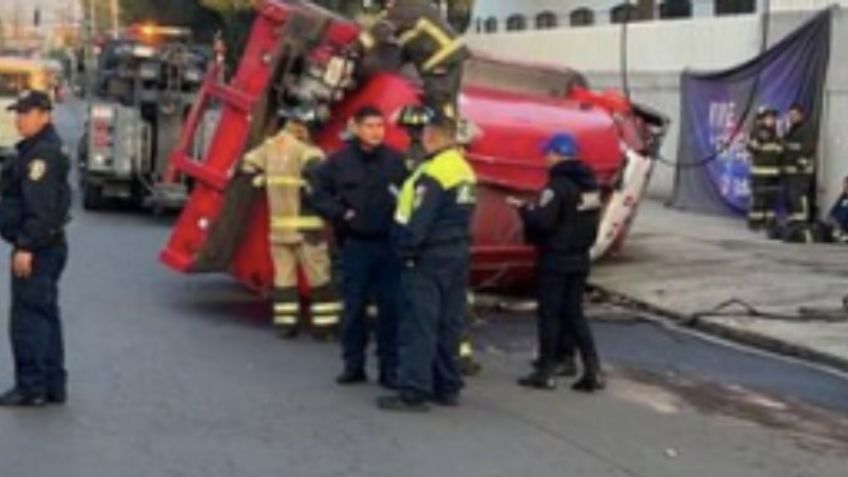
(92, 198)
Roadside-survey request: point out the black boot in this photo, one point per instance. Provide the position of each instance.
(403, 402)
(538, 380)
(566, 368)
(591, 381)
(286, 332)
(446, 399)
(352, 376)
(15, 398)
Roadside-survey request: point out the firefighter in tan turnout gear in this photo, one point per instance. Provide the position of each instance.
(297, 236)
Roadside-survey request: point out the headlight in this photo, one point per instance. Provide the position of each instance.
(99, 160)
(193, 75)
(143, 51)
(149, 71)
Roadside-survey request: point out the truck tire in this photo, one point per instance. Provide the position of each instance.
(92, 198)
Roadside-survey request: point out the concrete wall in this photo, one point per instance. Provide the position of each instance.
(660, 51)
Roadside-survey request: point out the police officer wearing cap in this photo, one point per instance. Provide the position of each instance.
(355, 191)
(562, 223)
(433, 239)
(34, 206)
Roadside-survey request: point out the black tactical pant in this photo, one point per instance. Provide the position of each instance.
(35, 326)
(561, 320)
(765, 196)
(441, 89)
(370, 273)
(434, 294)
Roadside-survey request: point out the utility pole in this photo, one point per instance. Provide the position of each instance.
(92, 18)
(115, 7)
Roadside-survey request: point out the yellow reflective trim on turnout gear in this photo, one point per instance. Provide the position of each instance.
(765, 171)
(367, 40)
(325, 320)
(448, 168)
(333, 307)
(299, 223)
(285, 320)
(274, 180)
(446, 44)
(286, 307)
(441, 55)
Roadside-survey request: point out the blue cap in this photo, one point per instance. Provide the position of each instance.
(562, 144)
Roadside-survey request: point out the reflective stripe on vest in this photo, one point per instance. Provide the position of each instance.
(449, 169)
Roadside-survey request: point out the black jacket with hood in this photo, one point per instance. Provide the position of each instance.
(563, 222)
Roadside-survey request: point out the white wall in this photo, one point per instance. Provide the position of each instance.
(665, 46)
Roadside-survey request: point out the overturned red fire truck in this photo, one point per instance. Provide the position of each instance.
(297, 49)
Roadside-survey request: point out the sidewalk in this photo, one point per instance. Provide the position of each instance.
(682, 263)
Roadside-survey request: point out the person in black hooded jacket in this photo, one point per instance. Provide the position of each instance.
(562, 224)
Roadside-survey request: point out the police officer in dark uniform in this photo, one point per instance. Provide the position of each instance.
(433, 239)
(34, 204)
(355, 191)
(427, 41)
(563, 224)
(766, 158)
(799, 151)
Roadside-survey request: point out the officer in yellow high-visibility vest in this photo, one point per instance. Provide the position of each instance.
(433, 239)
(427, 41)
(297, 237)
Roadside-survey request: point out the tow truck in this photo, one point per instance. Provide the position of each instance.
(145, 83)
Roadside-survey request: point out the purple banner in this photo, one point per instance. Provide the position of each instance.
(718, 108)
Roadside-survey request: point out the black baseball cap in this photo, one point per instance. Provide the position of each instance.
(31, 99)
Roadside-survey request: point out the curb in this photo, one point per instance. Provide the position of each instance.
(728, 332)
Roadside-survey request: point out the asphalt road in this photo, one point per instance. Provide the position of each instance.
(172, 376)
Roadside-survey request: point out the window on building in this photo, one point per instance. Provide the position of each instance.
(581, 17)
(735, 7)
(546, 21)
(491, 25)
(516, 22)
(676, 9)
(625, 12)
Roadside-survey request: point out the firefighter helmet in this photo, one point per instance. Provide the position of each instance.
(304, 112)
(415, 116)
